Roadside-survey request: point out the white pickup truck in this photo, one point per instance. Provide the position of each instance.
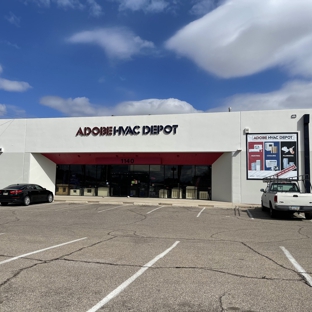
(284, 196)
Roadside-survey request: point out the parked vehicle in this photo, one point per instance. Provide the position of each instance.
(286, 196)
(25, 194)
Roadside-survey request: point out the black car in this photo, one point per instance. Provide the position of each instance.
(25, 193)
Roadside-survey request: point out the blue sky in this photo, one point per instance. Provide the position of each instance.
(131, 57)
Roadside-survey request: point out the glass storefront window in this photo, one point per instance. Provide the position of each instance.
(136, 180)
(77, 176)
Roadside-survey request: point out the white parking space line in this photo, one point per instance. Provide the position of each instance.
(201, 212)
(112, 208)
(125, 284)
(250, 215)
(155, 209)
(41, 250)
(298, 267)
(2, 233)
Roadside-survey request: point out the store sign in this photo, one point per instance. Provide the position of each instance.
(128, 160)
(272, 154)
(128, 130)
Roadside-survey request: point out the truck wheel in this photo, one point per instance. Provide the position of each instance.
(273, 213)
(308, 216)
(263, 208)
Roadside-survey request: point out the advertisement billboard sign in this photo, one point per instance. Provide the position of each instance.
(272, 154)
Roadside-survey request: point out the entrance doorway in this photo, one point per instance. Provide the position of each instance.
(130, 184)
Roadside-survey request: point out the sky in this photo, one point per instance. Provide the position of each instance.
(76, 58)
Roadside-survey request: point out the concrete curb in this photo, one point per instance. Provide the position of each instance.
(151, 202)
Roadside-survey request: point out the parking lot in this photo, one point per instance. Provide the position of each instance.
(108, 257)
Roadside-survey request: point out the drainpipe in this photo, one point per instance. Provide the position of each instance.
(306, 136)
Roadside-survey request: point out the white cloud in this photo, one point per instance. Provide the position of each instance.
(154, 106)
(293, 95)
(2, 110)
(81, 106)
(71, 4)
(151, 6)
(94, 8)
(12, 111)
(13, 19)
(40, 3)
(202, 7)
(14, 86)
(243, 37)
(10, 44)
(118, 43)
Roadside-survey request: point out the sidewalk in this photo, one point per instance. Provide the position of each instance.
(150, 201)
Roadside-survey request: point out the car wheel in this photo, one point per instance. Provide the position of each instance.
(26, 200)
(50, 198)
(4, 204)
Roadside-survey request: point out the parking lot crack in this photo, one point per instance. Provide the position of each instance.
(137, 213)
(268, 258)
(221, 303)
(15, 219)
(300, 232)
(17, 273)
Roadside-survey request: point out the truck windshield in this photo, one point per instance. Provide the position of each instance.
(284, 187)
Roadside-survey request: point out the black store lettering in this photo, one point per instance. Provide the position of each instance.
(95, 131)
(168, 129)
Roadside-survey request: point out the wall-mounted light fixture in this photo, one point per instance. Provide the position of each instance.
(246, 130)
(293, 116)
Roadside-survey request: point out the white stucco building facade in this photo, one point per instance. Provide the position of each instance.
(32, 149)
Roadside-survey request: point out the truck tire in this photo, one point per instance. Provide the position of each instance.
(263, 208)
(308, 215)
(273, 213)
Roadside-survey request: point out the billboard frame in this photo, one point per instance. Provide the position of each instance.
(272, 153)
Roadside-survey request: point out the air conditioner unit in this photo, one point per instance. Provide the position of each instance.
(176, 193)
(203, 195)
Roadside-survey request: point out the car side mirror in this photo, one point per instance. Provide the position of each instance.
(262, 190)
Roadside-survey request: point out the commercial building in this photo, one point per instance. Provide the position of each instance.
(218, 156)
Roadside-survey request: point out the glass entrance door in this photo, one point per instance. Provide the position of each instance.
(130, 184)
